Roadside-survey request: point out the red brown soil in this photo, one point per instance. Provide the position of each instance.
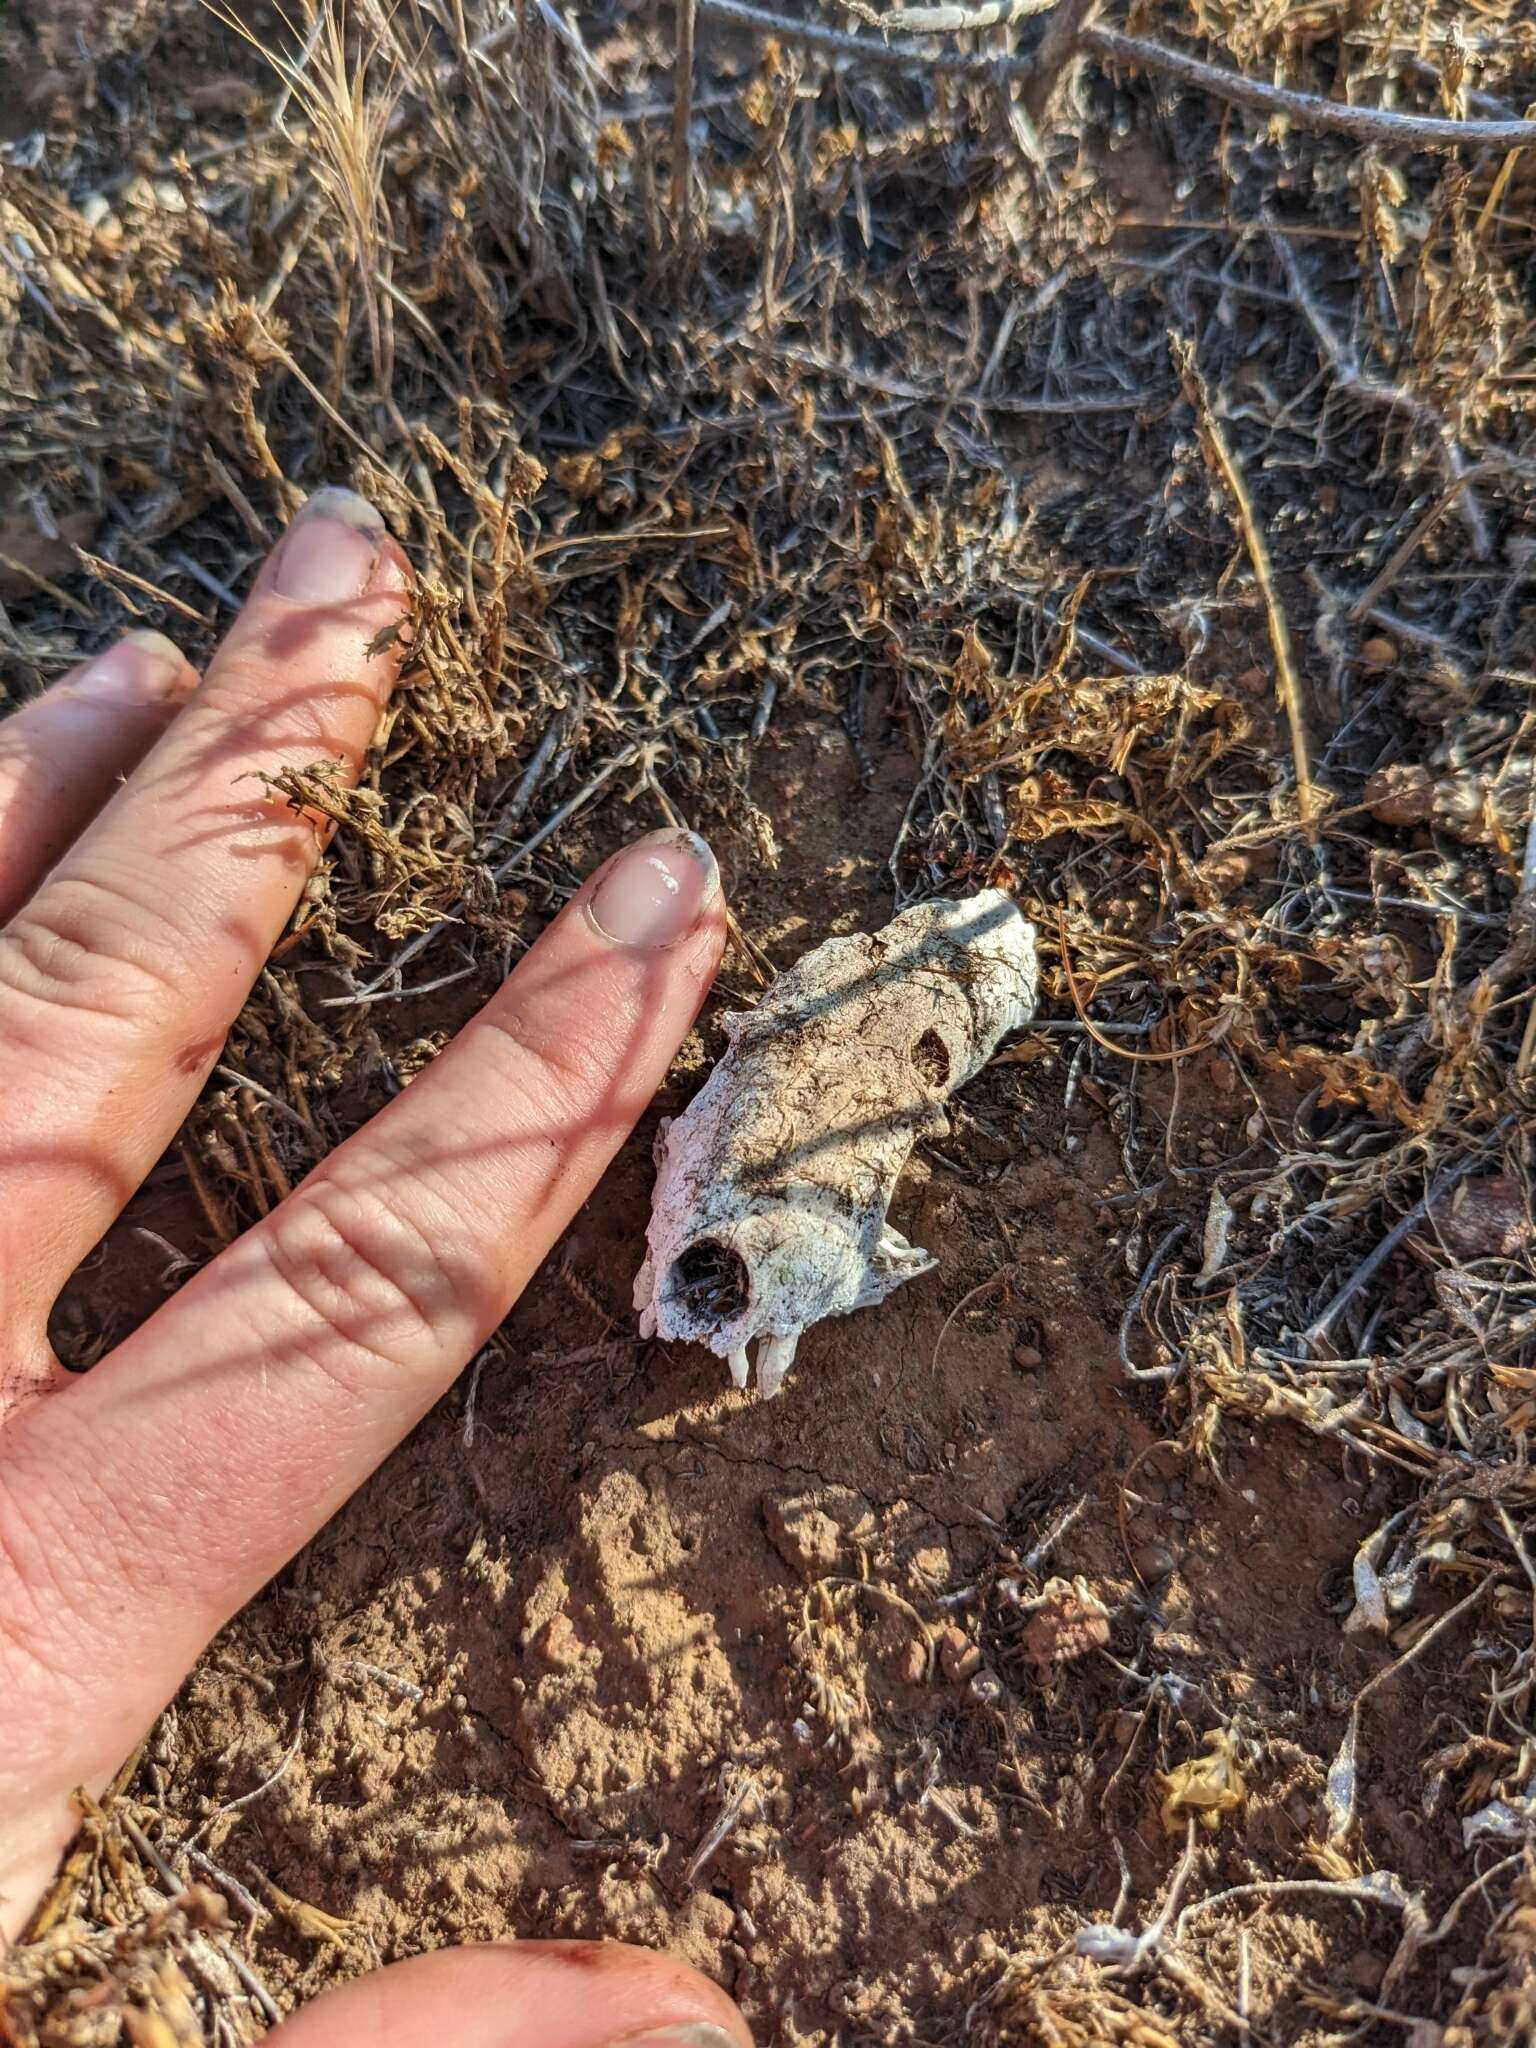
(527, 1670)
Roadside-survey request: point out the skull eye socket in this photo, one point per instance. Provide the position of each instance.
(709, 1282)
(930, 1060)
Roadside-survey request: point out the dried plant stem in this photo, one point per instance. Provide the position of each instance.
(172, 1886)
(1366, 1271)
(1396, 398)
(1054, 57)
(1174, 1052)
(836, 42)
(1308, 110)
(948, 21)
(682, 124)
(1328, 117)
(1222, 458)
(113, 572)
(1436, 1628)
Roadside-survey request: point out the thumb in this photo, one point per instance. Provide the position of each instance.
(533, 1994)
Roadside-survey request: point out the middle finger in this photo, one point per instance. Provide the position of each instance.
(122, 975)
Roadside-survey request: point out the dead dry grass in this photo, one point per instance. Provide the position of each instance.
(1162, 447)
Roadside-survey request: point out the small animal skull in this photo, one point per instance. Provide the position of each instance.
(772, 1188)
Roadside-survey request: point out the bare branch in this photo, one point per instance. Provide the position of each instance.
(948, 21)
(1308, 110)
(1223, 460)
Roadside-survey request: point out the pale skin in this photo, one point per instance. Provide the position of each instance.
(145, 876)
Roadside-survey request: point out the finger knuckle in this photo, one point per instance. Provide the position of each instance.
(558, 1069)
(85, 945)
(372, 1286)
(37, 1570)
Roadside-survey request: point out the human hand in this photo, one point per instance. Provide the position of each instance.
(143, 1503)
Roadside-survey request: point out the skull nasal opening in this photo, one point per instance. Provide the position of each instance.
(709, 1281)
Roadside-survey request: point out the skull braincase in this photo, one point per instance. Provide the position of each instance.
(772, 1188)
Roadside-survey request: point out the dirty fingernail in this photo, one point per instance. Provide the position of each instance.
(328, 553)
(694, 2034)
(142, 668)
(653, 893)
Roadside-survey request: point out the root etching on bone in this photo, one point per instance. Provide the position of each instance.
(772, 1188)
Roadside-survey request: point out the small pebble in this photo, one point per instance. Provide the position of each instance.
(911, 1662)
(1365, 1971)
(1155, 1561)
(959, 1656)
(1027, 1357)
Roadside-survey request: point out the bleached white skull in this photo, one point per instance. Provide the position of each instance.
(772, 1187)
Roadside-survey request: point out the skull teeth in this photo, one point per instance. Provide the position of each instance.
(775, 1355)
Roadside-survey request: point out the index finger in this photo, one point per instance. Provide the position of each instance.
(148, 1500)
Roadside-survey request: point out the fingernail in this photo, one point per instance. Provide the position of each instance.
(694, 2034)
(654, 891)
(328, 553)
(141, 668)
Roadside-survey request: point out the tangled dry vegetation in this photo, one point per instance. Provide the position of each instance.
(1152, 455)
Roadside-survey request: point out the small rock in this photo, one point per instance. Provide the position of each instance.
(1483, 1219)
(1223, 872)
(1070, 1621)
(558, 1644)
(808, 1540)
(959, 1656)
(1365, 1971)
(1027, 1357)
(1155, 1562)
(910, 1662)
(1402, 794)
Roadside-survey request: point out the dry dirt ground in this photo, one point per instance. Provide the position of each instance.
(882, 483)
(615, 1650)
